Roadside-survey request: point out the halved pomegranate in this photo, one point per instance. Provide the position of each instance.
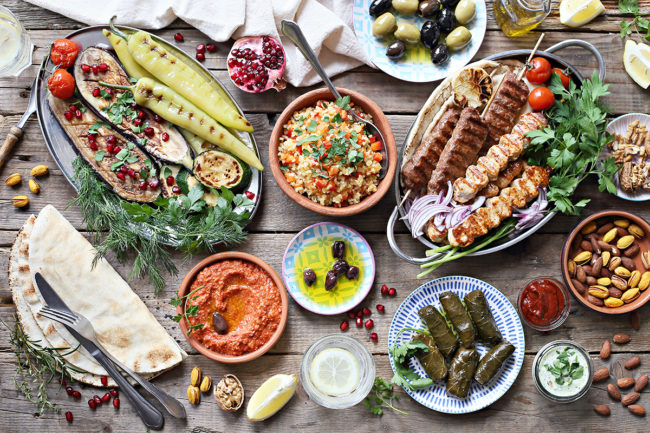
(256, 64)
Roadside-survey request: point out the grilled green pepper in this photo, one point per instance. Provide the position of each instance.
(176, 109)
(169, 69)
(131, 66)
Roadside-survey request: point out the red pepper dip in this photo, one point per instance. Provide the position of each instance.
(245, 296)
(542, 302)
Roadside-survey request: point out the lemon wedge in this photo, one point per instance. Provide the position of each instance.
(575, 13)
(271, 396)
(335, 371)
(636, 59)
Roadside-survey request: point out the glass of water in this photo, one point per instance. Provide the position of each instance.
(15, 46)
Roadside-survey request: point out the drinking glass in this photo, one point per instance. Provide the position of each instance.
(15, 46)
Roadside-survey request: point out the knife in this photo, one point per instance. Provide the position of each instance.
(16, 132)
(150, 415)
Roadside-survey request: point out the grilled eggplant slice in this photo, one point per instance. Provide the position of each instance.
(131, 182)
(185, 182)
(218, 169)
(160, 139)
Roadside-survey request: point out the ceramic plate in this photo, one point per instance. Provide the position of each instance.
(435, 397)
(416, 65)
(619, 126)
(312, 248)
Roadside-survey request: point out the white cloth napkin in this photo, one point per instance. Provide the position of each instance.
(327, 24)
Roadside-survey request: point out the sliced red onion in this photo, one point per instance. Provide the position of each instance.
(532, 214)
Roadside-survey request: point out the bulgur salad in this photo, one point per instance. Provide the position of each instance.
(326, 154)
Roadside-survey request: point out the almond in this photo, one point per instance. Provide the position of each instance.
(635, 320)
(636, 409)
(602, 409)
(602, 374)
(613, 392)
(621, 338)
(605, 349)
(630, 398)
(632, 363)
(632, 251)
(625, 382)
(579, 286)
(641, 383)
(604, 229)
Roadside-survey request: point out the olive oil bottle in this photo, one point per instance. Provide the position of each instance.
(518, 17)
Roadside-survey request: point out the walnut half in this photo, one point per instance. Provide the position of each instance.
(229, 393)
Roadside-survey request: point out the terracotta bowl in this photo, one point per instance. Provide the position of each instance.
(571, 250)
(378, 118)
(185, 287)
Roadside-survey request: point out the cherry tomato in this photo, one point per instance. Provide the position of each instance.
(538, 71)
(64, 52)
(61, 84)
(564, 77)
(541, 98)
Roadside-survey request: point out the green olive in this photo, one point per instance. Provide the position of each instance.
(408, 33)
(465, 11)
(458, 38)
(384, 25)
(406, 7)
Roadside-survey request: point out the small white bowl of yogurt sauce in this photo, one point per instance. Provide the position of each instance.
(563, 371)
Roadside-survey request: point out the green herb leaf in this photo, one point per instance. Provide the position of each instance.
(312, 126)
(381, 396)
(343, 102)
(99, 155)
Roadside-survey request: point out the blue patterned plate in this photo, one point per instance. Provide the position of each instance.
(416, 65)
(312, 248)
(435, 397)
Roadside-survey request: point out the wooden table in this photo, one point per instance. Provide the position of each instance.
(521, 409)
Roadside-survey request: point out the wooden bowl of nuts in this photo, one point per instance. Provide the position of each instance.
(606, 263)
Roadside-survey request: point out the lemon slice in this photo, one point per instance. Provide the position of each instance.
(636, 59)
(575, 13)
(335, 371)
(271, 396)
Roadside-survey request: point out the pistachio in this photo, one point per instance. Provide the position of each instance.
(39, 170)
(609, 236)
(645, 258)
(589, 228)
(13, 179)
(635, 278)
(606, 256)
(604, 281)
(614, 263)
(622, 222)
(195, 376)
(206, 383)
(193, 394)
(630, 295)
(582, 257)
(622, 272)
(571, 267)
(613, 302)
(20, 201)
(644, 282)
(619, 282)
(636, 231)
(599, 291)
(33, 186)
(625, 242)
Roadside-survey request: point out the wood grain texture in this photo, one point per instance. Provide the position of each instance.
(522, 409)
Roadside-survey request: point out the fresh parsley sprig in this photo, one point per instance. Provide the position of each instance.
(401, 352)
(639, 24)
(564, 369)
(381, 396)
(188, 310)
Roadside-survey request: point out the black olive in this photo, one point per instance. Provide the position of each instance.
(449, 3)
(352, 273)
(219, 323)
(440, 54)
(430, 34)
(428, 8)
(446, 20)
(309, 276)
(396, 50)
(340, 267)
(378, 7)
(330, 280)
(338, 249)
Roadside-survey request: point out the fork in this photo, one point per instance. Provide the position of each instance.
(82, 325)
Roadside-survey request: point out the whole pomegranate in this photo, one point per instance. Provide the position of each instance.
(256, 64)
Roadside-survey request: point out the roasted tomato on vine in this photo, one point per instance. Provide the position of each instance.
(541, 98)
(61, 84)
(538, 71)
(566, 79)
(64, 52)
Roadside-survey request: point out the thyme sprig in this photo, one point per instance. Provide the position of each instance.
(37, 366)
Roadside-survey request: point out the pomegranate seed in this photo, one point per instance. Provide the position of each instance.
(153, 183)
(164, 136)
(359, 322)
(200, 48)
(345, 325)
(392, 292)
(111, 139)
(72, 108)
(232, 63)
(93, 145)
(367, 312)
(97, 400)
(249, 195)
(114, 392)
(131, 173)
(140, 114)
(109, 148)
(68, 416)
(176, 189)
(62, 381)
(78, 114)
(178, 37)
(106, 397)
(157, 118)
(369, 323)
(137, 122)
(374, 337)
(384, 289)
(143, 185)
(351, 315)
(69, 390)
(121, 175)
(148, 131)
(124, 169)
(109, 91)
(85, 68)
(95, 69)
(92, 404)
(359, 313)
(380, 308)
(170, 180)
(103, 67)
(117, 149)
(76, 394)
(211, 48)
(200, 57)
(116, 403)
(68, 115)
(104, 380)
(96, 92)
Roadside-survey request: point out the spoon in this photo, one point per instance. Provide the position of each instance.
(292, 31)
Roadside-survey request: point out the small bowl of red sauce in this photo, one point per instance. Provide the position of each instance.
(544, 304)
